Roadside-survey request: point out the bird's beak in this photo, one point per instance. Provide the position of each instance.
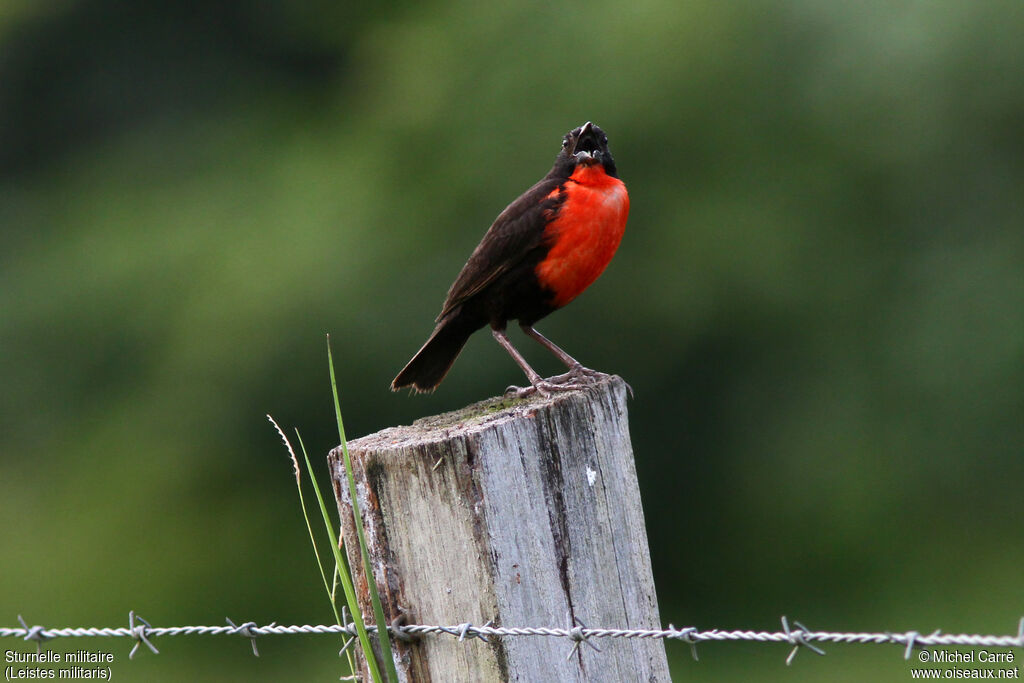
(584, 129)
(587, 155)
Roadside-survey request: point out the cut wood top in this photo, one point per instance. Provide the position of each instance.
(477, 417)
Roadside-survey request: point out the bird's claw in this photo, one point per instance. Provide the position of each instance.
(583, 374)
(543, 387)
(578, 372)
(578, 377)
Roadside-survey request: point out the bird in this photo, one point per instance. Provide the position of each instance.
(540, 253)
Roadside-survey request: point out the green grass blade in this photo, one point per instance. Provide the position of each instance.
(338, 569)
(378, 610)
(305, 514)
(331, 589)
(346, 580)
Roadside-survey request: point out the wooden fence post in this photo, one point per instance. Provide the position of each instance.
(524, 512)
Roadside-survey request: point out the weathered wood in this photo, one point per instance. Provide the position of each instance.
(526, 512)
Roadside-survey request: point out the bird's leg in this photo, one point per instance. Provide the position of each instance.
(576, 369)
(537, 383)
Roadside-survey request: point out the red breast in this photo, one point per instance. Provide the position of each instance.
(584, 234)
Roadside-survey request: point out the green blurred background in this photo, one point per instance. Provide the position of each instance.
(819, 299)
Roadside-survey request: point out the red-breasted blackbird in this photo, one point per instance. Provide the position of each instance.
(541, 252)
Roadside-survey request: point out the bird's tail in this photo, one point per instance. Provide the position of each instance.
(432, 362)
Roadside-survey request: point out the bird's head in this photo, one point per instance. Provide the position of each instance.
(586, 146)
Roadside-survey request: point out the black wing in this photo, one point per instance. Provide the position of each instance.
(515, 233)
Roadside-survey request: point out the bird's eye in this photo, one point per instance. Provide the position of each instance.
(605, 140)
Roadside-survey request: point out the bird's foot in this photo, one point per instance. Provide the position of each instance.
(543, 387)
(578, 374)
(578, 377)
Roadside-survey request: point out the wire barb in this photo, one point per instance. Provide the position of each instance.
(36, 634)
(481, 636)
(139, 634)
(468, 629)
(346, 646)
(911, 637)
(349, 629)
(576, 633)
(246, 631)
(798, 637)
(686, 635)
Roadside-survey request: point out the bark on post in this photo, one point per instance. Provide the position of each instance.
(524, 512)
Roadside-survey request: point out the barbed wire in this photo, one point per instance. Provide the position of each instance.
(799, 637)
